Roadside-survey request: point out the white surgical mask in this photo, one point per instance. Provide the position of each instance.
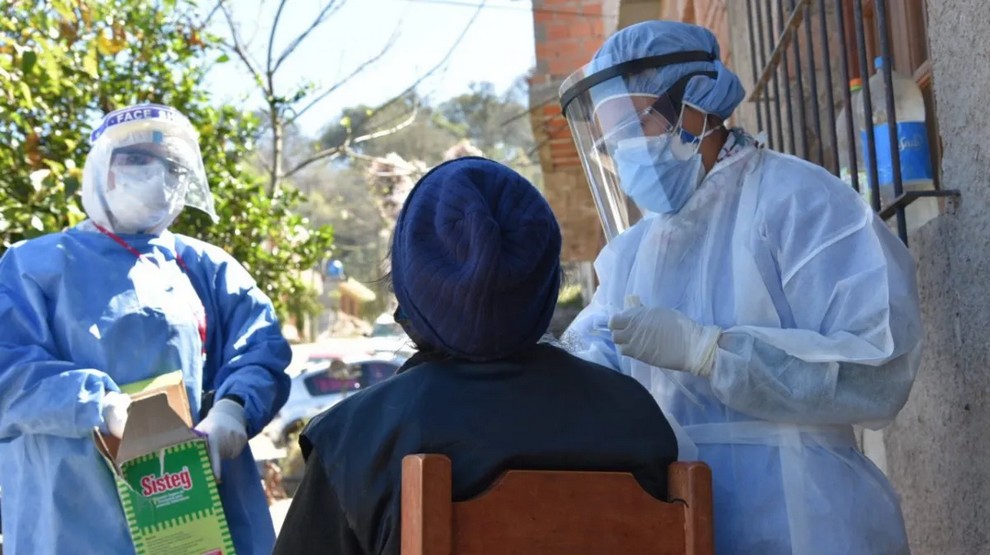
(661, 173)
(143, 198)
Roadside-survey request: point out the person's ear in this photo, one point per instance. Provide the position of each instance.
(714, 122)
(693, 121)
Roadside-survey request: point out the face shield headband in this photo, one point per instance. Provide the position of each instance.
(633, 67)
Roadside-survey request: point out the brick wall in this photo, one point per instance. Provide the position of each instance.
(567, 32)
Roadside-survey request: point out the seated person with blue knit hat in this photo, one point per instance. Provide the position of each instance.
(476, 270)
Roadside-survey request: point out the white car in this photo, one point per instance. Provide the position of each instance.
(387, 338)
(324, 381)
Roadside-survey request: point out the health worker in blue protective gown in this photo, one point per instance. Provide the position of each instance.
(115, 300)
(763, 304)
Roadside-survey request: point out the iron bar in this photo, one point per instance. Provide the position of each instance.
(830, 96)
(870, 142)
(888, 82)
(752, 56)
(783, 42)
(766, 93)
(802, 114)
(813, 79)
(787, 84)
(776, 80)
(851, 130)
(906, 198)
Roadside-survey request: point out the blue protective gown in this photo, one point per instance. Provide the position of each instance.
(81, 314)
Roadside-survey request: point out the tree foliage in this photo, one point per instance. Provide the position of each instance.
(65, 63)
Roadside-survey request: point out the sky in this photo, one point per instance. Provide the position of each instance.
(498, 47)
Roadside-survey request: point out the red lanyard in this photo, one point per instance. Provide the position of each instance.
(198, 311)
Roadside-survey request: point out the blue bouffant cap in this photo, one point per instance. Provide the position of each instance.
(719, 94)
(476, 260)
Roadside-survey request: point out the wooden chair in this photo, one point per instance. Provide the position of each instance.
(555, 513)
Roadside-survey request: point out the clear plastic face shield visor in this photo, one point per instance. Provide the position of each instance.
(162, 142)
(611, 105)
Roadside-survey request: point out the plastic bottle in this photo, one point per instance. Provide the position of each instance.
(842, 134)
(912, 140)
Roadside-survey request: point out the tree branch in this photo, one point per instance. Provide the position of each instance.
(527, 111)
(238, 46)
(385, 132)
(369, 158)
(209, 16)
(440, 64)
(344, 148)
(354, 73)
(320, 19)
(325, 154)
(271, 39)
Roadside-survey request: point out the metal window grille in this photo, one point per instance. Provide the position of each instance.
(794, 122)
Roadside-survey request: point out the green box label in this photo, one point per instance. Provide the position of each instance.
(171, 502)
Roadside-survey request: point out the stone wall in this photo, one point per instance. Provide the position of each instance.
(937, 449)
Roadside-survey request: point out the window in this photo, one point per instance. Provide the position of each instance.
(374, 372)
(325, 384)
(908, 33)
(390, 329)
(804, 54)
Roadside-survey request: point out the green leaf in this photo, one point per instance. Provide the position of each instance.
(38, 178)
(28, 98)
(72, 185)
(65, 10)
(224, 58)
(90, 65)
(28, 60)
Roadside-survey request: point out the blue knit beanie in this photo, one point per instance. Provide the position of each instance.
(476, 260)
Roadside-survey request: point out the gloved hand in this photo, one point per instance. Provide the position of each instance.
(666, 339)
(115, 407)
(226, 432)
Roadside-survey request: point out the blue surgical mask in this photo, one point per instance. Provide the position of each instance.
(655, 172)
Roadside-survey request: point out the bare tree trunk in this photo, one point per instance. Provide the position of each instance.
(278, 145)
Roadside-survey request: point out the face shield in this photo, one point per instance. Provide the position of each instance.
(143, 168)
(612, 109)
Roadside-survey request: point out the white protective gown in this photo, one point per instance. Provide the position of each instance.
(819, 308)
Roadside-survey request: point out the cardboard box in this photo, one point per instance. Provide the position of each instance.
(163, 475)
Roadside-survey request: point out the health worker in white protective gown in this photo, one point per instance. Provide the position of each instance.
(763, 304)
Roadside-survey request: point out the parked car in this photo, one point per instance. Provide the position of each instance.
(388, 338)
(325, 380)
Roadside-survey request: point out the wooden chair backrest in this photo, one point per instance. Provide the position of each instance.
(555, 513)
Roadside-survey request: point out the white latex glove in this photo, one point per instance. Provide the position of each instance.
(115, 407)
(226, 432)
(666, 339)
